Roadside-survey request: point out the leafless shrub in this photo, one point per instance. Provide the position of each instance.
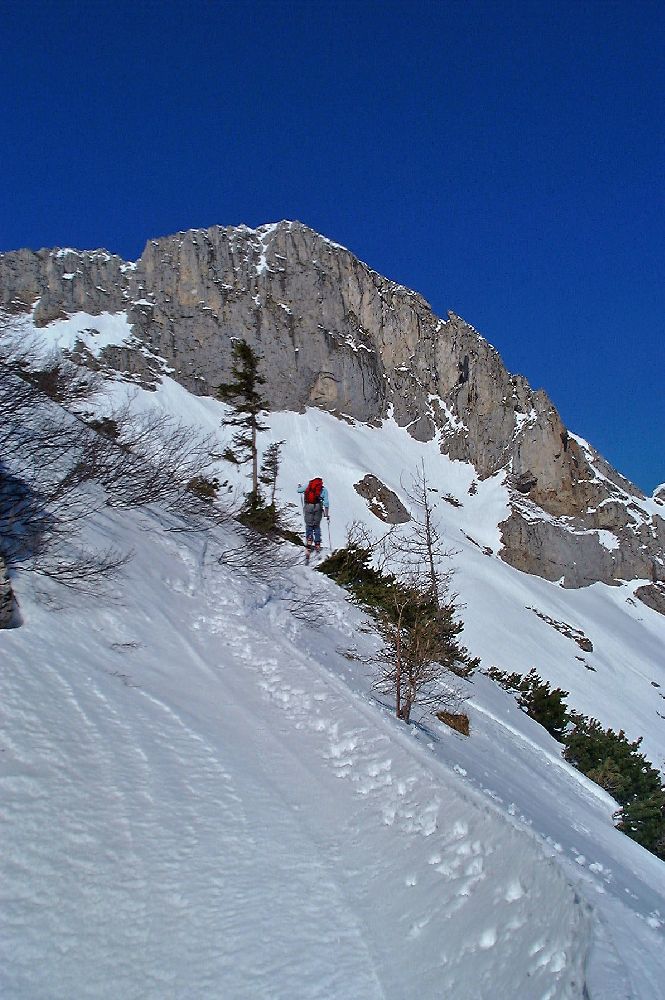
(56, 470)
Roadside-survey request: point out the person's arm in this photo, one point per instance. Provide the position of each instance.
(325, 501)
(301, 488)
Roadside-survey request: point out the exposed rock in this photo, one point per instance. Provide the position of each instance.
(8, 610)
(653, 595)
(60, 282)
(544, 548)
(381, 501)
(335, 334)
(569, 631)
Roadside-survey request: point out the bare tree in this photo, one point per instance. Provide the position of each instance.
(153, 458)
(45, 460)
(421, 550)
(416, 653)
(400, 583)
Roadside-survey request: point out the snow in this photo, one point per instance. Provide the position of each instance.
(263, 236)
(201, 804)
(204, 798)
(608, 539)
(96, 332)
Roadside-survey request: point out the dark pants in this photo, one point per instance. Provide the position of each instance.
(313, 513)
(313, 534)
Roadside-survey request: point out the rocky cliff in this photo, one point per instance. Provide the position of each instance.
(336, 335)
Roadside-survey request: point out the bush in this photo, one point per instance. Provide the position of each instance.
(204, 488)
(593, 749)
(418, 630)
(643, 820)
(351, 568)
(608, 758)
(614, 762)
(459, 721)
(537, 698)
(267, 519)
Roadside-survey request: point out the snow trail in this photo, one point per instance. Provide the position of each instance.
(196, 806)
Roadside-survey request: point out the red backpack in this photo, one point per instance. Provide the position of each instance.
(313, 491)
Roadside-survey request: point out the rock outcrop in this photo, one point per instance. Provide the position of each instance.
(382, 501)
(335, 334)
(7, 600)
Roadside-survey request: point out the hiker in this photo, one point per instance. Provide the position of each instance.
(315, 506)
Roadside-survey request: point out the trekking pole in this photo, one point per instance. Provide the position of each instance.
(302, 504)
(329, 542)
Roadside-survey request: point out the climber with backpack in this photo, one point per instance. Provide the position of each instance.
(315, 506)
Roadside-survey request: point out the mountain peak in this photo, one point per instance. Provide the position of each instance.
(336, 335)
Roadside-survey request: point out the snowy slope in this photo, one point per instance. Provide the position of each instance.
(614, 683)
(202, 797)
(198, 805)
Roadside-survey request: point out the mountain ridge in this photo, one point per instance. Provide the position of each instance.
(337, 335)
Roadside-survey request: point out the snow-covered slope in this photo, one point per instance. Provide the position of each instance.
(203, 798)
(621, 682)
(198, 804)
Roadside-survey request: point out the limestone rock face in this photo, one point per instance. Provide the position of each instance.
(336, 335)
(61, 282)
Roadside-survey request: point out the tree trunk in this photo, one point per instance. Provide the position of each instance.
(398, 675)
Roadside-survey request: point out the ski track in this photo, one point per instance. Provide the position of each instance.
(155, 850)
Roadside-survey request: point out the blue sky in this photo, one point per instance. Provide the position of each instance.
(507, 160)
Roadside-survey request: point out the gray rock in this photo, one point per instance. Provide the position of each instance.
(381, 501)
(653, 595)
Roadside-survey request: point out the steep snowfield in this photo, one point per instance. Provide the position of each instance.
(197, 805)
(202, 796)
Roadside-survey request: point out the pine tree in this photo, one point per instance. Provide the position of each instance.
(270, 464)
(243, 394)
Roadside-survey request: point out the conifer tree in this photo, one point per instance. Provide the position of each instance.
(243, 394)
(270, 464)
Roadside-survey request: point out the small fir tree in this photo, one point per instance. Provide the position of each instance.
(272, 459)
(243, 394)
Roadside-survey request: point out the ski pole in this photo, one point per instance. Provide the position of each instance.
(329, 542)
(302, 504)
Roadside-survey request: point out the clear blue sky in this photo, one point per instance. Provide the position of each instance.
(505, 159)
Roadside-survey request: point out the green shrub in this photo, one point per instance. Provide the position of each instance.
(540, 701)
(398, 604)
(351, 568)
(594, 749)
(643, 820)
(267, 519)
(617, 764)
(605, 756)
(204, 488)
